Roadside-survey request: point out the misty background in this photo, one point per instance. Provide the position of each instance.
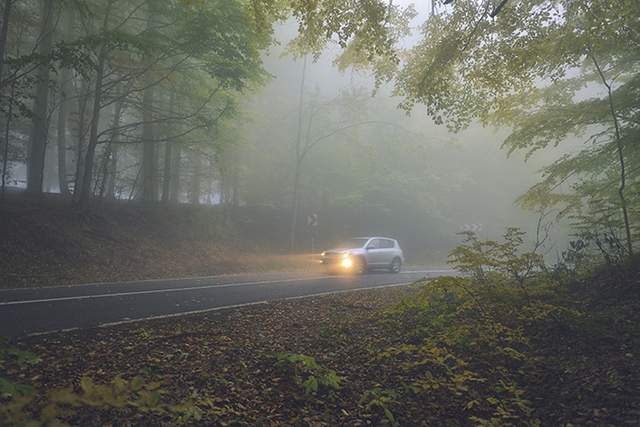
(384, 172)
(312, 142)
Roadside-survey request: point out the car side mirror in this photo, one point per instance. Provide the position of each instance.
(370, 247)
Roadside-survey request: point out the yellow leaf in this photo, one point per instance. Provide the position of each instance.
(154, 385)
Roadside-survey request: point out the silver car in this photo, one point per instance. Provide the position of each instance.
(364, 253)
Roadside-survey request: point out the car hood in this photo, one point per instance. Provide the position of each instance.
(335, 251)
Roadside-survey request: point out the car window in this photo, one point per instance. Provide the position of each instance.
(386, 243)
(375, 243)
(353, 244)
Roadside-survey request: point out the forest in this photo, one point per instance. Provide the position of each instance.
(237, 121)
(371, 120)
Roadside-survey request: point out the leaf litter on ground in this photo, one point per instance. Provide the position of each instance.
(224, 362)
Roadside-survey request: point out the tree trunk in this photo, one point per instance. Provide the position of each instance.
(166, 180)
(38, 138)
(80, 158)
(623, 201)
(149, 149)
(299, 154)
(87, 176)
(149, 155)
(195, 185)
(3, 33)
(65, 92)
(176, 164)
(168, 158)
(5, 157)
(3, 47)
(85, 192)
(110, 162)
(111, 166)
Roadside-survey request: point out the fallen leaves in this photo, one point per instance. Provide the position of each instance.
(220, 362)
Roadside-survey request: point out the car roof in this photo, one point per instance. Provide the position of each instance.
(372, 237)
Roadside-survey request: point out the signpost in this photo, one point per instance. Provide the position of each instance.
(474, 228)
(312, 221)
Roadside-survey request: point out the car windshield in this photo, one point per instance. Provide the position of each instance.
(353, 243)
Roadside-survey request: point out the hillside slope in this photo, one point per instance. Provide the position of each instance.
(50, 243)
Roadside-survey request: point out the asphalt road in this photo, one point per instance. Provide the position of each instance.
(43, 310)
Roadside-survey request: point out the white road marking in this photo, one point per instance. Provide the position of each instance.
(153, 291)
(208, 310)
(190, 288)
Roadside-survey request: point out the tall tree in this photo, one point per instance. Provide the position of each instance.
(4, 31)
(204, 46)
(66, 98)
(85, 192)
(38, 139)
(552, 71)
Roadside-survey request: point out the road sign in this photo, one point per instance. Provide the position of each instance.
(471, 227)
(312, 220)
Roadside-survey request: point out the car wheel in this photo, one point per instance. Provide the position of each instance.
(359, 266)
(395, 265)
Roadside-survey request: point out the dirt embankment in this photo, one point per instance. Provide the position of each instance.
(48, 242)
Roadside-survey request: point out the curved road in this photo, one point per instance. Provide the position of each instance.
(43, 310)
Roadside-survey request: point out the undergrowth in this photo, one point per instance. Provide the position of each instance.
(505, 343)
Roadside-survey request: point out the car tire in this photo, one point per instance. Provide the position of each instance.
(360, 267)
(395, 266)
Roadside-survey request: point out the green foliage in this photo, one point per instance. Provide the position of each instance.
(137, 395)
(490, 261)
(10, 354)
(482, 257)
(333, 333)
(475, 332)
(196, 56)
(309, 374)
(25, 411)
(119, 394)
(471, 65)
(9, 388)
(381, 400)
(35, 410)
(482, 347)
(217, 34)
(22, 406)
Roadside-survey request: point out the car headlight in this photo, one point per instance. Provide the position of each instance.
(346, 263)
(323, 253)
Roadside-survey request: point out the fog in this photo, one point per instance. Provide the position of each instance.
(303, 141)
(405, 176)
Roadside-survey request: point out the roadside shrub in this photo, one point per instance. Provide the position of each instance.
(472, 351)
(308, 374)
(13, 355)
